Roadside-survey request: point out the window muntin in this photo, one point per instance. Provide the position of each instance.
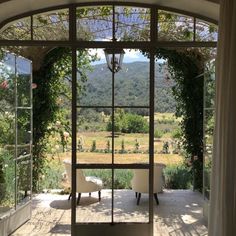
(16, 137)
(95, 23)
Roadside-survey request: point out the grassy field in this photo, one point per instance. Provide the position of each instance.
(129, 140)
(129, 148)
(99, 156)
(104, 158)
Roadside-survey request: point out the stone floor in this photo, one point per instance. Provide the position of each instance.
(179, 213)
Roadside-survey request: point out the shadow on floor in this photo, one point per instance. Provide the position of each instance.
(61, 229)
(61, 204)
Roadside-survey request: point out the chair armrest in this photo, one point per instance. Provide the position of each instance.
(94, 180)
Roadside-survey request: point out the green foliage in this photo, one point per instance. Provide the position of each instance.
(158, 133)
(91, 120)
(185, 66)
(178, 177)
(53, 87)
(128, 123)
(135, 124)
(7, 176)
(131, 86)
(122, 150)
(122, 178)
(165, 148)
(176, 134)
(108, 147)
(93, 146)
(52, 175)
(7, 134)
(136, 145)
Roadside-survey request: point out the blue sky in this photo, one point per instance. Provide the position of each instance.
(130, 56)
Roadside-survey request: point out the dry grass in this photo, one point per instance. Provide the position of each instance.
(105, 158)
(102, 137)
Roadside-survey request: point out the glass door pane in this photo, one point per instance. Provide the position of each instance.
(112, 140)
(23, 130)
(7, 133)
(15, 136)
(209, 123)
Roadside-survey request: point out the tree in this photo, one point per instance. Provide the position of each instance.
(128, 123)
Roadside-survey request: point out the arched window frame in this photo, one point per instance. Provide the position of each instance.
(154, 41)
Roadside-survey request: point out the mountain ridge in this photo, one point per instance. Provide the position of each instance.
(131, 86)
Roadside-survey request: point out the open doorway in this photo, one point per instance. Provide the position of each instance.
(110, 128)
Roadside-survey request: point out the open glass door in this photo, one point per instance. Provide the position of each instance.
(114, 142)
(16, 141)
(208, 126)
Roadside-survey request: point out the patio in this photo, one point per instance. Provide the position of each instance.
(179, 213)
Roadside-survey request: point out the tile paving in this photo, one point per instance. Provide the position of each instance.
(179, 213)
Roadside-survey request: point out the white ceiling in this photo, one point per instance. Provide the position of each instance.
(206, 8)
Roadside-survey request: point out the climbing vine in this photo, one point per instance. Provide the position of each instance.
(53, 81)
(186, 68)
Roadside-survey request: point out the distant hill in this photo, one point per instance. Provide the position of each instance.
(131, 87)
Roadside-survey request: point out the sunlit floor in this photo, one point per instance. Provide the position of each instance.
(179, 212)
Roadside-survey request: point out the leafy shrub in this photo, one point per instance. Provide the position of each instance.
(176, 133)
(136, 145)
(7, 120)
(108, 147)
(166, 130)
(158, 134)
(169, 121)
(122, 147)
(165, 148)
(94, 146)
(119, 121)
(128, 123)
(178, 177)
(135, 124)
(7, 175)
(52, 175)
(122, 178)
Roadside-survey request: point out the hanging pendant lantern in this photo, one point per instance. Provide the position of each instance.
(118, 59)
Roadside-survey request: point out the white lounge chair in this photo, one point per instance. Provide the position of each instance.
(84, 184)
(140, 182)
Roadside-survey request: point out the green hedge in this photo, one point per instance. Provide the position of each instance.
(178, 177)
(52, 175)
(128, 123)
(122, 178)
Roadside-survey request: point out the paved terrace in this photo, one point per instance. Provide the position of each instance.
(179, 213)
